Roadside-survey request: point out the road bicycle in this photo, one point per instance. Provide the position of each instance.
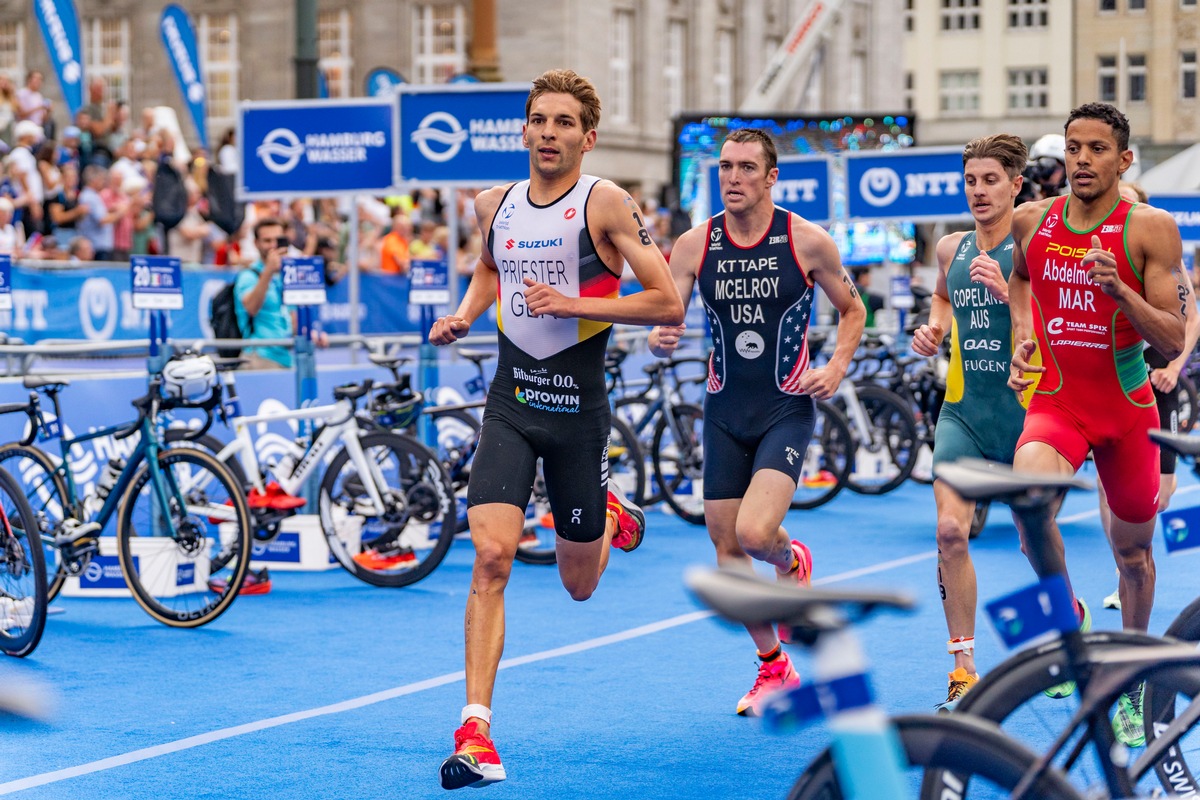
(23, 597)
(1103, 665)
(385, 503)
(183, 528)
(873, 757)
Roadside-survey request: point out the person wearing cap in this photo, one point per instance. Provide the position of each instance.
(22, 166)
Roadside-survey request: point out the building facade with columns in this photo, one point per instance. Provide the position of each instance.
(650, 59)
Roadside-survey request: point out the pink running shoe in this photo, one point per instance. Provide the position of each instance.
(773, 676)
(802, 576)
(475, 761)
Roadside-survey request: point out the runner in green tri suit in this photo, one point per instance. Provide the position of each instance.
(980, 417)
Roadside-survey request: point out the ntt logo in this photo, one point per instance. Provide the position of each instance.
(439, 136)
(280, 151)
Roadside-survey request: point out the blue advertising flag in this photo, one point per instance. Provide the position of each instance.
(60, 29)
(180, 40)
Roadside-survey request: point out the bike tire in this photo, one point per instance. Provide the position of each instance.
(931, 742)
(419, 515)
(1159, 707)
(457, 436)
(46, 493)
(1012, 693)
(979, 518)
(1189, 403)
(22, 571)
(211, 547)
(894, 430)
(679, 465)
(828, 460)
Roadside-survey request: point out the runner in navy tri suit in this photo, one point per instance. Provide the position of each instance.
(556, 245)
(756, 266)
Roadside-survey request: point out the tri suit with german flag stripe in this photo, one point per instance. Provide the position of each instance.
(548, 398)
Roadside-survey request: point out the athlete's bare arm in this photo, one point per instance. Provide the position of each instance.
(1166, 379)
(1025, 220)
(686, 258)
(1156, 250)
(820, 259)
(481, 292)
(620, 233)
(928, 338)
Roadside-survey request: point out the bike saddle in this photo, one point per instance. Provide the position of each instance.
(36, 382)
(1181, 443)
(229, 364)
(352, 391)
(976, 479)
(752, 600)
(387, 361)
(476, 356)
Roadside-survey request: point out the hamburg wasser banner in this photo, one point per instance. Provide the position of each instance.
(180, 40)
(60, 29)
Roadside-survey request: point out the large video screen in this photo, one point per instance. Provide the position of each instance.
(699, 136)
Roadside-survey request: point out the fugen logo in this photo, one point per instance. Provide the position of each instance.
(879, 186)
(451, 139)
(280, 151)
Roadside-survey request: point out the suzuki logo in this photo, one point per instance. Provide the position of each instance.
(280, 151)
(452, 139)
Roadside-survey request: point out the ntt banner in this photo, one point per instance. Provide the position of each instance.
(463, 134)
(1185, 208)
(179, 37)
(920, 183)
(318, 148)
(803, 187)
(60, 29)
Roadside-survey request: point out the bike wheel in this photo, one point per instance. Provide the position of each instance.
(992, 762)
(1012, 696)
(1189, 403)
(405, 542)
(184, 563)
(457, 435)
(827, 461)
(633, 411)
(979, 518)
(539, 537)
(1161, 706)
(678, 455)
(44, 489)
(887, 459)
(23, 598)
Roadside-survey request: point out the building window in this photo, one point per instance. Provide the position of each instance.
(909, 16)
(1106, 75)
(1190, 4)
(1108, 6)
(218, 36)
(909, 102)
(620, 66)
(12, 51)
(723, 77)
(1028, 14)
(1136, 65)
(106, 42)
(1187, 74)
(439, 42)
(958, 92)
(1028, 90)
(333, 51)
(675, 66)
(1137, 5)
(960, 15)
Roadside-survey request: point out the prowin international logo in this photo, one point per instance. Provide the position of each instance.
(548, 401)
(281, 149)
(443, 130)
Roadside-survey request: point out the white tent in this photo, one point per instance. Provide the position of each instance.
(1179, 173)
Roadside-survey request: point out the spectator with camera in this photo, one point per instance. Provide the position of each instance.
(1046, 172)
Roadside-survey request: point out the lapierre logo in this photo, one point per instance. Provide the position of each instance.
(281, 149)
(881, 186)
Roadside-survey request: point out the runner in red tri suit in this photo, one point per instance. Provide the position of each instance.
(1092, 278)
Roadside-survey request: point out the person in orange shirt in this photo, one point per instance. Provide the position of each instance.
(395, 256)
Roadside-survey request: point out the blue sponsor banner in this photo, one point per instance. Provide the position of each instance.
(179, 37)
(465, 134)
(97, 305)
(5, 282)
(921, 183)
(382, 82)
(283, 549)
(318, 148)
(1181, 529)
(1042, 608)
(804, 187)
(1185, 208)
(60, 28)
(104, 572)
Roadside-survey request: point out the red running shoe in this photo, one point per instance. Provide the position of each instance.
(374, 560)
(773, 676)
(802, 576)
(254, 583)
(631, 521)
(475, 761)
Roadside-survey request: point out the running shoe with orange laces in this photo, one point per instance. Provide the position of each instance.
(773, 676)
(631, 521)
(404, 558)
(475, 761)
(801, 575)
(960, 682)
